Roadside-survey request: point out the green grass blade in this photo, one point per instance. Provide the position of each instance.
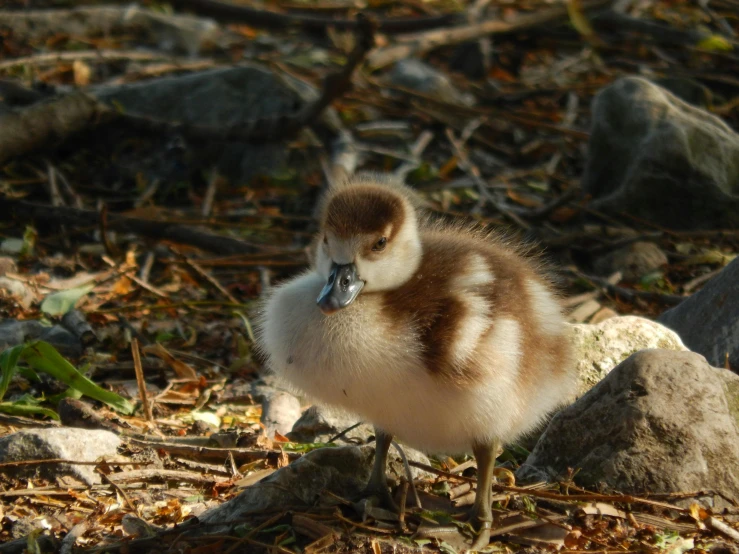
(8, 365)
(43, 357)
(26, 410)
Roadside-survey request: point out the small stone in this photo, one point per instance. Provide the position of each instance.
(601, 347)
(280, 411)
(320, 424)
(633, 261)
(7, 265)
(83, 445)
(417, 75)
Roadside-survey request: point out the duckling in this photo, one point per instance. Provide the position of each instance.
(443, 336)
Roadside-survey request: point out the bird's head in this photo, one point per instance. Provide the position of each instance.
(369, 242)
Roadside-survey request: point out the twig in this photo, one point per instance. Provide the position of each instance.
(200, 271)
(74, 533)
(409, 475)
(93, 55)
(474, 172)
(423, 140)
(420, 43)
(698, 281)
(403, 500)
(629, 295)
(160, 230)
(625, 498)
(238, 13)
(53, 122)
(723, 528)
(344, 432)
(140, 379)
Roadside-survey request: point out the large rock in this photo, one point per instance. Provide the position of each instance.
(83, 445)
(220, 98)
(599, 348)
(662, 421)
(657, 157)
(716, 307)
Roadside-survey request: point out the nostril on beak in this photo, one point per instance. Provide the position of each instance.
(345, 282)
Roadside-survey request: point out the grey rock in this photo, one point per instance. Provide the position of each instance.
(343, 471)
(656, 157)
(416, 75)
(220, 98)
(14, 332)
(661, 422)
(716, 308)
(599, 348)
(83, 445)
(320, 424)
(280, 411)
(7, 265)
(18, 291)
(633, 261)
(689, 90)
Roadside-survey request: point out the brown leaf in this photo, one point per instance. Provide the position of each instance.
(182, 370)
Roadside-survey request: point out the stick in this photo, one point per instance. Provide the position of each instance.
(232, 13)
(159, 230)
(140, 379)
(419, 43)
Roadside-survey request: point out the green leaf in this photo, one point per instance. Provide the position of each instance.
(42, 356)
(20, 409)
(59, 303)
(8, 365)
(715, 43)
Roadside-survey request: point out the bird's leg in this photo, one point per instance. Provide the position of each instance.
(481, 515)
(377, 485)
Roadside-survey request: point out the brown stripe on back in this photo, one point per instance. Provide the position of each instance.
(363, 209)
(428, 303)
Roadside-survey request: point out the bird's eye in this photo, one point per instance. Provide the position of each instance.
(380, 244)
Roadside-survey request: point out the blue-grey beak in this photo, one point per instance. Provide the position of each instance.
(341, 289)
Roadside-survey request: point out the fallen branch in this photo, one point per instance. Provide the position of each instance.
(420, 43)
(233, 13)
(159, 230)
(53, 58)
(95, 21)
(60, 118)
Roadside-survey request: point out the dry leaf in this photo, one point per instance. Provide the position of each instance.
(283, 459)
(602, 509)
(82, 73)
(182, 370)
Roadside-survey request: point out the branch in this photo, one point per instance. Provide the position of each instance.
(233, 13)
(159, 230)
(59, 119)
(419, 43)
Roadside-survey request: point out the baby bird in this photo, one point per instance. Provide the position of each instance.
(441, 335)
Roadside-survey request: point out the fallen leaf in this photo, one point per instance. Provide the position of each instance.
(182, 370)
